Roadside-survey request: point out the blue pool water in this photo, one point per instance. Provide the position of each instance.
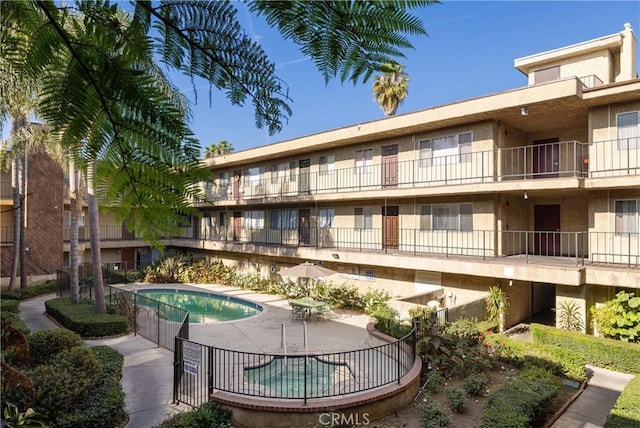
(203, 307)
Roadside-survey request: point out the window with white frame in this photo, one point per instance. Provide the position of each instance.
(628, 130)
(66, 219)
(326, 218)
(457, 217)
(627, 216)
(253, 219)
(283, 219)
(363, 218)
(292, 171)
(445, 150)
(327, 165)
(364, 161)
(278, 173)
(253, 175)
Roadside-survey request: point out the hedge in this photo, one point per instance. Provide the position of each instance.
(562, 362)
(598, 351)
(9, 306)
(521, 402)
(626, 413)
(33, 291)
(82, 318)
(103, 407)
(46, 344)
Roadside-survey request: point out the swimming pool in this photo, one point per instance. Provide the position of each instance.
(203, 307)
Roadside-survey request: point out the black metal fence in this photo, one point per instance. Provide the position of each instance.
(202, 369)
(149, 318)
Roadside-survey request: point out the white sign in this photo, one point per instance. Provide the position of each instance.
(192, 352)
(190, 368)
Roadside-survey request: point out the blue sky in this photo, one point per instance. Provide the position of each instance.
(469, 52)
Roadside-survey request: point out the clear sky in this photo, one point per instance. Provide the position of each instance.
(469, 52)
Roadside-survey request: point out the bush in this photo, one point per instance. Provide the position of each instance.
(210, 414)
(433, 380)
(374, 299)
(619, 318)
(626, 412)
(17, 323)
(521, 402)
(456, 397)
(103, 407)
(466, 331)
(70, 376)
(9, 306)
(432, 417)
(389, 323)
(46, 344)
(27, 293)
(474, 383)
(598, 351)
(82, 318)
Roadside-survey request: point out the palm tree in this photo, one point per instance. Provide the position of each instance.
(221, 148)
(391, 88)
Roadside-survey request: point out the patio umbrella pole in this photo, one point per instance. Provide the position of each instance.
(283, 343)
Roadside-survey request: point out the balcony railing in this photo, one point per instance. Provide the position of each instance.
(614, 158)
(552, 160)
(107, 233)
(590, 81)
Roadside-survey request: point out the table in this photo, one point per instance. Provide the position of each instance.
(308, 307)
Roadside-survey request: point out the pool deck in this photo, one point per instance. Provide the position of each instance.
(262, 333)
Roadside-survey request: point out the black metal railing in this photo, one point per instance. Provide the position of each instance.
(149, 318)
(202, 369)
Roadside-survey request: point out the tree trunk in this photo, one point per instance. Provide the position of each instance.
(23, 223)
(94, 236)
(74, 286)
(15, 191)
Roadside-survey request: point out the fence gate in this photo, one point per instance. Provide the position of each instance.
(191, 373)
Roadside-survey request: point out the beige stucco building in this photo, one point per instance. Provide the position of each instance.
(535, 189)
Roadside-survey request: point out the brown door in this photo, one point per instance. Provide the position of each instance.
(237, 225)
(546, 158)
(303, 176)
(127, 258)
(390, 227)
(390, 166)
(547, 230)
(237, 178)
(304, 227)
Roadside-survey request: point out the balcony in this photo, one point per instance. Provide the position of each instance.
(107, 233)
(528, 247)
(568, 159)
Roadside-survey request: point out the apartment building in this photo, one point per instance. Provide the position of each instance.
(535, 189)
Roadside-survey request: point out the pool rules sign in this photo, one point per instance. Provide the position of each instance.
(191, 357)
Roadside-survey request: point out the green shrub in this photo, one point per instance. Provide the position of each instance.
(619, 318)
(521, 402)
(474, 383)
(27, 293)
(210, 414)
(373, 299)
(9, 306)
(465, 330)
(82, 319)
(456, 397)
(626, 412)
(103, 407)
(563, 362)
(16, 322)
(46, 344)
(433, 380)
(432, 417)
(70, 376)
(598, 351)
(346, 297)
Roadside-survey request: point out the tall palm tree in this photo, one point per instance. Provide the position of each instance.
(223, 147)
(391, 88)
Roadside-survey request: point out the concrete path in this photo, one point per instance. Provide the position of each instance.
(593, 406)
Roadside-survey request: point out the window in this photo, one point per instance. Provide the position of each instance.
(292, 171)
(546, 74)
(364, 161)
(66, 220)
(222, 219)
(363, 218)
(253, 175)
(628, 130)
(207, 219)
(253, 219)
(447, 217)
(278, 173)
(445, 150)
(208, 185)
(627, 216)
(327, 165)
(284, 220)
(326, 218)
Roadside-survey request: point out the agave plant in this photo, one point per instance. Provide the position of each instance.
(570, 317)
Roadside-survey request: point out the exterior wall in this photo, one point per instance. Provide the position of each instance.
(598, 63)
